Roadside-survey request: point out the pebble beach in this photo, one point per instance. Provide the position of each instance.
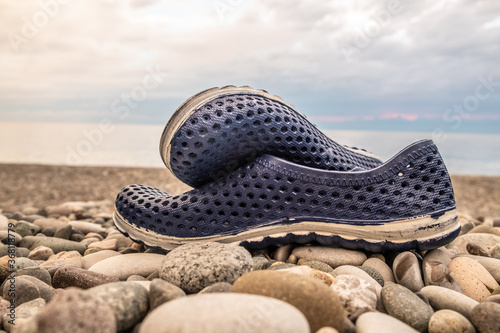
(64, 267)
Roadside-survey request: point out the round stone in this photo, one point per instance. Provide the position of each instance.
(76, 311)
(125, 265)
(403, 304)
(330, 255)
(436, 271)
(160, 291)
(219, 287)
(56, 244)
(225, 313)
(81, 278)
(128, 300)
(475, 281)
(40, 253)
(321, 306)
(449, 321)
(260, 262)
(444, 298)
(406, 268)
(27, 288)
(374, 274)
(486, 317)
(356, 294)
(319, 265)
(372, 321)
(193, 267)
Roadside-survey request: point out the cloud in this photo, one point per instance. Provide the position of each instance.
(423, 59)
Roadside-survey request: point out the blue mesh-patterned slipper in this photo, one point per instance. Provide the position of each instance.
(406, 203)
(220, 129)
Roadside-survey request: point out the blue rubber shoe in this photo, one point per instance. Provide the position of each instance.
(218, 130)
(406, 203)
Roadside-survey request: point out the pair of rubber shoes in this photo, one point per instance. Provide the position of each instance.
(264, 175)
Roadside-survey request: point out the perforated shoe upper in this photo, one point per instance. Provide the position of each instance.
(270, 190)
(231, 131)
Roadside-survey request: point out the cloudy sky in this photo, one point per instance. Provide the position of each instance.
(378, 65)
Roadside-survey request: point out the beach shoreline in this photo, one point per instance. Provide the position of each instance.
(35, 185)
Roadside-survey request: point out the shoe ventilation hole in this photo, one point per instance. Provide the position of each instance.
(244, 129)
(255, 195)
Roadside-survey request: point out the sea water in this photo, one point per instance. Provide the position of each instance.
(138, 145)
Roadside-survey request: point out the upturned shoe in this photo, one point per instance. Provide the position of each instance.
(220, 129)
(406, 203)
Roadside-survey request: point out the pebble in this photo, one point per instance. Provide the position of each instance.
(219, 287)
(280, 265)
(89, 260)
(320, 305)
(374, 274)
(4, 222)
(357, 295)
(351, 270)
(24, 313)
(492, 265)
(49, 232)
(136, 278)
(327, 330)
(128, 300)
(473, 278)
(493, 298)
(122, 266)
(36, 272)
(195, 266)
(406, 268)
(75, 311)
(372, 321)
(95, 235)
(49, 223)
(486, 317)
(476, 249)
(444, 298)
(78, 277)
(381, 267)
(4, 234)
(436, 271)
(64, 232)
(73, 258)
(87, 227)
(311, 272)
(459, 245)
(283, 252)
(292, 259)
(495, 252)
(228, 313)
(319, 265)
(334, 257)
(20, 251)
(260, 262)
(485, 229)
(56, 244)
(57, 211)
(401, 303)
(26, 228)
(27, 288)
(161, 291)
(449, 321)
(40, 253)
(107, 244)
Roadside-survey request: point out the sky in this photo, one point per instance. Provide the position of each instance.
(430, 65)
